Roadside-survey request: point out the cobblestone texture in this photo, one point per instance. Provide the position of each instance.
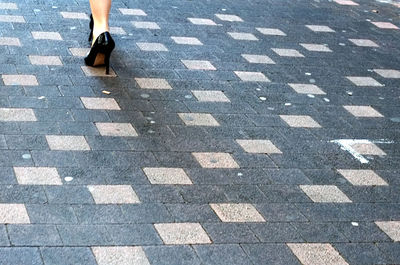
(229, 132)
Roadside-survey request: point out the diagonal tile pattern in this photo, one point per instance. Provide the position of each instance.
(213, 139)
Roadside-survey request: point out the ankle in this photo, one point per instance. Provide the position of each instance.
(98, 30)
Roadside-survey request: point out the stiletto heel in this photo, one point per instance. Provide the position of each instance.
(103, 46)
(107, 62)
(91, 25)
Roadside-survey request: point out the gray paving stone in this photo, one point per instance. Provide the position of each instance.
(51, 214)
(7, 175)
(84, 235)
(192, 213)
(230, 233)
(391, 250)
(222, 254)
(359, 232)
(34, 235)
(276, 232)
(67, 255)
(26, 142)
(137, 234)
(362, 253)
(280, 212)
(179, 255)
(68, 195)
(22, 194)
(270, 254)
(150, 89)
(319, 233)
(20, 255)
(99, 214)
(146, 213)
(4, 239)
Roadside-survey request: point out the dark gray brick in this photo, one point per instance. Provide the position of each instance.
(54, 158)
(20, 256)
(22, 194)
(284, 193)
(67, 256)
(68, 195)
(222, 254)
(323, 212)
(324, 232)
(230, 233)
(37, 127)
(392, 251)
(34, 235)
(51, 214)
(362, 253)
(146, 213)
(364, 232)
(280, 212)
(99, 214)
(179, 255)
(192, 213)
(137, 234)
(3, 144)
(7, 175)
(275, 232)
(14, 158)
(4, 240)
(78, 128)
(27, 142)
(244, 194)
(203, 194)
(265, 254)
(85, 235)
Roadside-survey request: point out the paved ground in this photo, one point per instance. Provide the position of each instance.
(231, 132)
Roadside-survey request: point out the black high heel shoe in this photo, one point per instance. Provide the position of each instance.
(91, 25)
(101, 51)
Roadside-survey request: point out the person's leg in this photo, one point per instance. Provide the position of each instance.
(100, 12)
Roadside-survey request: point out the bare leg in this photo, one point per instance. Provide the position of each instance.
(100, 12)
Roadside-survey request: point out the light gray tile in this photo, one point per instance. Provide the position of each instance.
(391, 228)
(259, 146)
(167, 176)
(116, 129)
(198, 119)
(237, 212)
(7, 114)
(37, 176)
(153, 83)
(120, 255)
(100, 103)
(182, 233)
(325, 193)
(215, 160)
(13, 214)
(363, 111)
(113, 194)
(362, 177)
(316, 253)
(67, 142)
